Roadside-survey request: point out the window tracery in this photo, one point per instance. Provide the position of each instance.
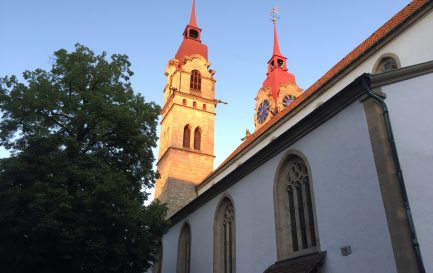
(294, 207)
(224, 238)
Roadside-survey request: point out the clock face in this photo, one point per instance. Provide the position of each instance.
(263, 111)
(288, 99)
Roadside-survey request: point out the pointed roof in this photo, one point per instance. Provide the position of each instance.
(276, 46)
(191, 43)
(192, 20)
(277, 74)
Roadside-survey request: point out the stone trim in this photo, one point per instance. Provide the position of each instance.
(390, 189)
(402, 74)
(189, 150)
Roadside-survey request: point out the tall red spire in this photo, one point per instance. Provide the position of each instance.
(191, 43)
(276, 46)
(192, 20)
(277, 66)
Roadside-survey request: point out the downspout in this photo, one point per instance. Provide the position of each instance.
(366, 84)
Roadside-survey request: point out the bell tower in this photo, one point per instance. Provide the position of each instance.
(279, 88)
(186, 148)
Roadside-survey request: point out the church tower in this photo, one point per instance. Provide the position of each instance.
(279, 88)
(186, 148)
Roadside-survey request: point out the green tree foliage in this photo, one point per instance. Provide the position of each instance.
(71, 194)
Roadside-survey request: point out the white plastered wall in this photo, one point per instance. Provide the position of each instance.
(411, 113)
(348, 203)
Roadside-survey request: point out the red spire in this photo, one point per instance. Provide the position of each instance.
(276, 46)
(192, 21)
(277, 67)
(191, 43)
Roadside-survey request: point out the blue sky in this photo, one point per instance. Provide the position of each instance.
(313, 35)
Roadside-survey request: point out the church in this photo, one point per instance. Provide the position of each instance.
(335, 178)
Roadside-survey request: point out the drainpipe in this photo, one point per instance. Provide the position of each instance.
(366, 84)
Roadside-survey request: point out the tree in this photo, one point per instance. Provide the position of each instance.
(71, 194)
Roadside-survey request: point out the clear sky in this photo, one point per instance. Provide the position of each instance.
(313, 35)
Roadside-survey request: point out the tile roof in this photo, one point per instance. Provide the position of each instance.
(346, 63)
(303, 264)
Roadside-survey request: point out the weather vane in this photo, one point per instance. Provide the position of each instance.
(274, 14)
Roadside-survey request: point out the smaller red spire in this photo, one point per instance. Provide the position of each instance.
(277, 74)
(276, 46)
(192, 20)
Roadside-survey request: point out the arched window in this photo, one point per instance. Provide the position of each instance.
(197, 138)
(294, 209)
(186, 136)
(204, 107)
(224, 238)
(184, 250)
(387, 62)
(195, 83)
(194, 104)
(184, 102)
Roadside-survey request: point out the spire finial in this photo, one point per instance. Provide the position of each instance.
(274, 14)
(192, 21)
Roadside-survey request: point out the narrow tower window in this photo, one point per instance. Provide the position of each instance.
(186, 136)
(197, 138)
(184, 102)
(204, 107)
(194, 104)
(195, 83)
(184, 250)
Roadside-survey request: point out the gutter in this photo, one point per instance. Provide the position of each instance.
(366, 80)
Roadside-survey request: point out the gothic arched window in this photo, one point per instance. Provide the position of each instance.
(294, 209)
(197, 138)
(224, 238)
(184, 250)
(186, 136)
(195, 83)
